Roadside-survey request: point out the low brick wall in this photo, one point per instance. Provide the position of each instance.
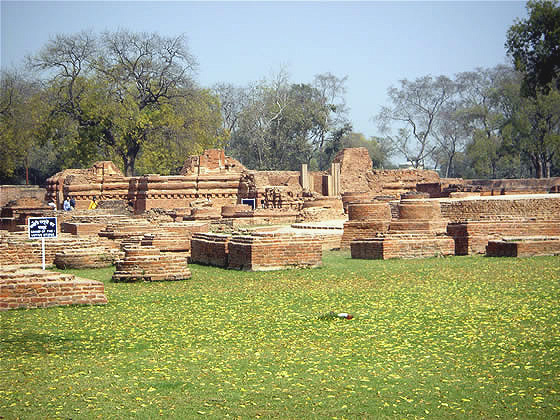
(358, 229)
(273, 251)
(17, 249)
(373, 210)
(81, 229)
(14, 192)
(539, 207)
(402, 246)
(210, 249)
(523, 247)
(472, 237)
(41, 289)
(261, 251)
(87, 258)
(146, 263)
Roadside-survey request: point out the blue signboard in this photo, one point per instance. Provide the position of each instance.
(41, 227)
(249, 202)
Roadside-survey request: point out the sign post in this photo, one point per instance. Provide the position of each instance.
(42, 227)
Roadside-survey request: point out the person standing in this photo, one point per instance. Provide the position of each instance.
(66, 205)
(93, 204)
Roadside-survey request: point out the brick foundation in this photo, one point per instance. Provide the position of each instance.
(472, 237)
(402, 246)
(259, 252)
(40, 289)
(87, 258)
(523, 247)
(146, 263)
(273, 251)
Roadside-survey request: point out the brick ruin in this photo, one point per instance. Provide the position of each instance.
(161, 221)
(32, 288)
(261, 251)
(523, 247)
(418, 232)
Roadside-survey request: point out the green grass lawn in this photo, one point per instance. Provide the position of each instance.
(465, 337)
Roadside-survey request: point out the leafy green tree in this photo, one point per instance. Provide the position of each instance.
(282, 125)
(21, 112)
(534, 45)
(124, 92)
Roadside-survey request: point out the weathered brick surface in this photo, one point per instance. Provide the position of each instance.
(94, 257)
(146, 263)
(473, 236)
(261, 251)
(358, 229)
(15, 192)
(210, 249)
(523, 247)
(17, 249)
(41, 289)
(273, 251)
(538, 207)
(82, 229)
(373, 210)
(402, 246)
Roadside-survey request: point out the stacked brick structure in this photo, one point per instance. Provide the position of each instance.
(15, 192)
(419, 232)
(210, 249)
(358, 175)
(523, 247)
(146, 263)
(17, 249)
(94, 257)
(472, 237)
(13, 216)
(274, 251)
(260, 251)
(475, 221)
(40, 289)
(366, 219)
(538, 207)
(402, 246)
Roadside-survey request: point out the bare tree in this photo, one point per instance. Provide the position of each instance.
(416, 106)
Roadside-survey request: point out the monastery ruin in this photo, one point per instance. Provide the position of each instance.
(217, 212)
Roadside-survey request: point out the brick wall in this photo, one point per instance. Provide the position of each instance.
(406, 246)
(358, 229)
(17, 249)
(472, 237)
(523, 248)
(541, 207)
(14, 192)
(146, 263)
(210, 249)
(273, 251)
(373, 210)
(41, 289)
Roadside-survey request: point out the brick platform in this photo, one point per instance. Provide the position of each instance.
(40, 289)
(259, 252)
(146, 263)
(17, 249)
(523, 247)
(367, 219)
(472, 237)
(87, 258)
(402, 246)
(274, 251)
(210, 249)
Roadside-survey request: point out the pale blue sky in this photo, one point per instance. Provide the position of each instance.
(375, 44)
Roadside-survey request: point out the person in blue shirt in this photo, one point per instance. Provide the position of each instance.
(66, 206)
